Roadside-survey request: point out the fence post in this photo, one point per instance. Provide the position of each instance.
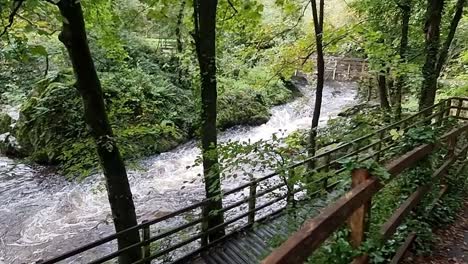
(379, 146)
(449, 107)
(349, 71)
(204, 224)
(326, 168)
(146, 246)
(334, 70)
(441, 114)
(446, 111)
(363, 65)
(358, 221)
(252, 202)
(460, 105)
(451, 144)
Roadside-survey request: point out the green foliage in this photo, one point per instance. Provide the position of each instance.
(148, 112)
(453, 88)
(5, 122)
(374, 168)
(49, 117)
(415, 137)
(336, 250)
(254, 110)
(350, 124)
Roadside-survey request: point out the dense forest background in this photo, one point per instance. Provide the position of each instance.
(94, 86)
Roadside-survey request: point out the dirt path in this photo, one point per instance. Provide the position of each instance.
(451, 246)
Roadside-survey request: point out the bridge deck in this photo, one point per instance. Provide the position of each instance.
(254, 244)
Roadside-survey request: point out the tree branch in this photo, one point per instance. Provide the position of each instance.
(232, 6)
(448, 41)
(11, 18)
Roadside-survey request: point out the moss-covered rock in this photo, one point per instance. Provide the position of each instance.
(51, 115)
(9, 146)
(294, 85)
(5, 123)
(242, 108)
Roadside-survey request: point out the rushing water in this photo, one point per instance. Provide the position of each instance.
(44, 215)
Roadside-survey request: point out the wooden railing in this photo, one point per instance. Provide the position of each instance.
(343, 69)
(259, 199)
(353, 207)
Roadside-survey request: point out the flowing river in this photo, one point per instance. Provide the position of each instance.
(44, 215)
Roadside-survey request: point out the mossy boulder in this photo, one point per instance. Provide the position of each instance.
(242, 108)
(49, 118)
(294, 85)
(5, 123)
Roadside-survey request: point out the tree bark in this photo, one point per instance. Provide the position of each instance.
(318, 26)
(205, 41)
(400, 82)
(383, 95)
(178, 33)
(432, 32)
(73, 36)
(448, 41)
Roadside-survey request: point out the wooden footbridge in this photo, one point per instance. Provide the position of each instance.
(263, 218)
(343, 69)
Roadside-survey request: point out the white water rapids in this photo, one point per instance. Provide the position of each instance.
(44, 215)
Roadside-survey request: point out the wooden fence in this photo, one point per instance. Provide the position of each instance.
(344, 69)
(353, 207)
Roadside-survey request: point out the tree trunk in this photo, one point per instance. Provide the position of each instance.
(448, 41)
(383, 95)
(74, 38)
(432, 31)
(318, 26)
(205, 40)
(369, 89)
(178, 33)
(400, 82)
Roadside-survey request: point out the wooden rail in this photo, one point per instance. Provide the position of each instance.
(270, 192)
(343, 69)
(305, 241)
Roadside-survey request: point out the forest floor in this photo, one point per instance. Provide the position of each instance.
(451, 243)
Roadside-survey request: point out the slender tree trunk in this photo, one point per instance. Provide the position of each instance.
(400, 82)
(205, 40)
(383, 95)
(181, 72)
(318, 26)
(448, 41)
(369, 89)
(432, 31)
(178, 33)
(74, 38)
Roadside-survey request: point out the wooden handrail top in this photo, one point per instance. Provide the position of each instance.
(302, 243)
